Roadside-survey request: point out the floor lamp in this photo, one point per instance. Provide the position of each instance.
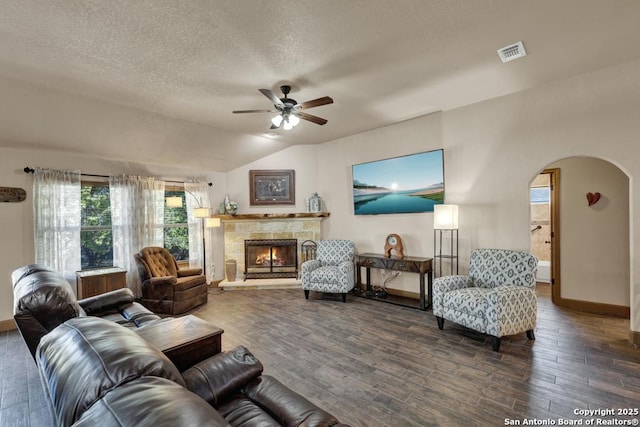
(445, 219)
(207, 222)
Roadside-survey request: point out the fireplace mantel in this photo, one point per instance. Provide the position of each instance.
(241, 217)
(238, 228)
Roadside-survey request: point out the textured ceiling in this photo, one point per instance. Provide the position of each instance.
(382, 61)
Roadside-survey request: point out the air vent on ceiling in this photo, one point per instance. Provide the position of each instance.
(512, 52)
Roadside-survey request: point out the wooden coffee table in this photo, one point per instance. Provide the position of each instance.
(184, 340)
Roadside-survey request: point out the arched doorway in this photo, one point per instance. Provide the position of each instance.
(589, 235)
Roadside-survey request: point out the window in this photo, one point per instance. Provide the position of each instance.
(96, 238)
(176, 229)
(540, 194)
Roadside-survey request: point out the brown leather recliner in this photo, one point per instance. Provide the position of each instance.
(166, 288)
(43, 300)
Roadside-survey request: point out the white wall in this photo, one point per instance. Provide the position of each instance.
(599, 271)
(301, 158)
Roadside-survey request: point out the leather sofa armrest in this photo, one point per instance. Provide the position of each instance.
(185, 272)
(220, 376)
(286, 406)
(31, 330)
(109, 301)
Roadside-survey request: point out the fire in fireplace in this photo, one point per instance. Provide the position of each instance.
(270, 258)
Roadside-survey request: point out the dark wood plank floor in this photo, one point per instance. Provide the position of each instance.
(376, 364)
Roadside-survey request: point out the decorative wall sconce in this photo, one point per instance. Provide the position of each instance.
(592, 198)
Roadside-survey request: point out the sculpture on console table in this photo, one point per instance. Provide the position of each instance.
(393, 242)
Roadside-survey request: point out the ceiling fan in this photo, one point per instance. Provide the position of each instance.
(288, 109)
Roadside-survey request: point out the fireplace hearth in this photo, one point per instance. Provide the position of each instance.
(270, 258)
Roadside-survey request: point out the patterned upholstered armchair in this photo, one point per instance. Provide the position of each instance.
(497, 298)
(332, 270)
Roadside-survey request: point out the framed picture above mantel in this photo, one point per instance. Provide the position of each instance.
(272, 187)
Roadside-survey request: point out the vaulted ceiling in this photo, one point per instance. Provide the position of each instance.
(382, 61)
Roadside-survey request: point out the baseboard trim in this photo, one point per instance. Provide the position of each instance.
(634, 338)
(7, 325)
(596, 307)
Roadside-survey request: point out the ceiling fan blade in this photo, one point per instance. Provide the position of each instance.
(276, 101)
(311, 118)
(317, 102)
(254, 111)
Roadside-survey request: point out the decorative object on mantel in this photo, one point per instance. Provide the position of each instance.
(315, 203)
(272, 187)
(230, 207)
(592, 198)
(12, 194)
(393, 242)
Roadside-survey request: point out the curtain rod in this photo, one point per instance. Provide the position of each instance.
(31, 170)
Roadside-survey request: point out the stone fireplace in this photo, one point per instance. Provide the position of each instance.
(241, 227)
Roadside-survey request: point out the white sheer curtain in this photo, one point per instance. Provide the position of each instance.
(57, 215)
(137, 217)
(197, 196)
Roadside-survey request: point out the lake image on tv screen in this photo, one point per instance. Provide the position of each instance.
(407, 184)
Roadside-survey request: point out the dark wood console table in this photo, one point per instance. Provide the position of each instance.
(422, 266)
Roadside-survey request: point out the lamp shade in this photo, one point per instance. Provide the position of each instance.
(445, 217)
(212, 222)
(201, 212)
(173, 202)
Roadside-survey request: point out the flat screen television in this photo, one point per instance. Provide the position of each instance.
(406, 184)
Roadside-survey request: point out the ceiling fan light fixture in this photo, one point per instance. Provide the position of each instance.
(289, 110)
(277, 120)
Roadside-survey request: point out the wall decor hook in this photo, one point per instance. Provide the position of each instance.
(592, 198)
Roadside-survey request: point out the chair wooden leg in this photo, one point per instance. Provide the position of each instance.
(344, 297)
(495, 343)
(306, 294)
(530, 334)
(440, 321)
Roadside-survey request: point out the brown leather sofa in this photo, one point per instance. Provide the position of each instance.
(166, 288)
(43, 299)
(95, 372)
